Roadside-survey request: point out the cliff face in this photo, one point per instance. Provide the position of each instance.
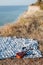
(34, 8)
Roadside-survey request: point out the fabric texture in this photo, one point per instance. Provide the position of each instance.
(9, 46)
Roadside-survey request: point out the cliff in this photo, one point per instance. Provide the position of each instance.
(29, 25)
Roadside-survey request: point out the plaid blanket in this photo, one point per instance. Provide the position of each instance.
(9, 46)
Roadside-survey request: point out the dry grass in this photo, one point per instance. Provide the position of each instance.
(15, 61)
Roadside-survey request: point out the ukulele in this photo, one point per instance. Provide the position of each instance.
(22, 54)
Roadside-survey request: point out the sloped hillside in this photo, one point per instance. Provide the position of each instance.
(29, 26)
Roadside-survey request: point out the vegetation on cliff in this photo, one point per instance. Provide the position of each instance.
(39, 3)
(28, 27)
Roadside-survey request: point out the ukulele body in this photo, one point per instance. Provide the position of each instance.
(20, 54)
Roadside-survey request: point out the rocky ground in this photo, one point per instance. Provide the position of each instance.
(29, 26)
